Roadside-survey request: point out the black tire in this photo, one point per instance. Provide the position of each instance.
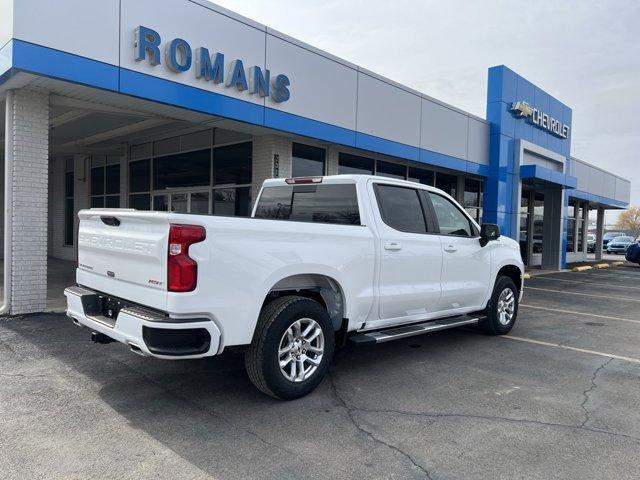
(491, 323)
(262, 360)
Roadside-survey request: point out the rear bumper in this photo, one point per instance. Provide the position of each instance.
(146, 332)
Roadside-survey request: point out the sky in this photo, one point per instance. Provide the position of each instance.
(585, 53)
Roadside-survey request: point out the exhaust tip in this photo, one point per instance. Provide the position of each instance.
(136, 349)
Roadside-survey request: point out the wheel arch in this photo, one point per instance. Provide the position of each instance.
(514, 273)
(320, 287)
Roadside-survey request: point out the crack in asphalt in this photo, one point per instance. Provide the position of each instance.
(588, 391)
(351, 409)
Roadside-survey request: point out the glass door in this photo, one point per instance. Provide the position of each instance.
(182, 202)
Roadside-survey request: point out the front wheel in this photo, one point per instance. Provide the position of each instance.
(502, 310)
(292, 347)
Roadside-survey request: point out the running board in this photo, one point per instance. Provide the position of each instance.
(395, 333)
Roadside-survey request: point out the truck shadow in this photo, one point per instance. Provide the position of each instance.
(208, 412)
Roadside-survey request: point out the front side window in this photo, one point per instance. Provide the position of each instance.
(450, 219)
(400, 208)
(336, 204)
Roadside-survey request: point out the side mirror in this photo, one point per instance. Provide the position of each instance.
(488, 232)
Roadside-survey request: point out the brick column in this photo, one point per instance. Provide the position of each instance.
(265, 148)
(27, 143)
(332, 160)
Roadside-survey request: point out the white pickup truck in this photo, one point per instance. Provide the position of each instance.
(323, 261)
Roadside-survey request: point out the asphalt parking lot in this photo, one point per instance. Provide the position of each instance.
(557, 398)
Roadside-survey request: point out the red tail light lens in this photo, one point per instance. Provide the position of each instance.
(182, 270)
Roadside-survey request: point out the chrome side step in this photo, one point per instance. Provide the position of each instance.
(395, 333)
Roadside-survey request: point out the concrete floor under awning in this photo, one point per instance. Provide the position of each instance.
(60, 274)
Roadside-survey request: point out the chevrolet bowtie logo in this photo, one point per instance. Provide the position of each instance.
(521, 109)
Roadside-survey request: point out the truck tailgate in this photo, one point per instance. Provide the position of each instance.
(124, 253)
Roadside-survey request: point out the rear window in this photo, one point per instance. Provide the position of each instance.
(337, 204)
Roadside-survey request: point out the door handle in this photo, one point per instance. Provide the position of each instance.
(392, 246)
(450, 248)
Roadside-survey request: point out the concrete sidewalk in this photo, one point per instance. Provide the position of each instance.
(60, 274)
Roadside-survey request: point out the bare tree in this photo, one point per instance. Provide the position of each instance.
(629, 220)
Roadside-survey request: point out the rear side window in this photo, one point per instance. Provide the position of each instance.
(400, 208)
(337, 204)
(450, 219)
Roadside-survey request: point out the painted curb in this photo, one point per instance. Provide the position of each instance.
(583, 268)
(601, 265)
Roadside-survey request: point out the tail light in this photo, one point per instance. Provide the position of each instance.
(182, 270)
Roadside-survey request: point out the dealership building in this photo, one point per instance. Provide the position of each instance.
(182, 105)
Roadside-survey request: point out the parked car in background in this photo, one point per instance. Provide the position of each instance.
(608, 237)
(619, 244)
(633, 253)
(591, 243)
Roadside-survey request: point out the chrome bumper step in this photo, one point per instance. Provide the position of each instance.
(395, 333)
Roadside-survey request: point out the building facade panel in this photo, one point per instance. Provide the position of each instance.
(84, 28)
(478, 142)
(444, 130)
(321, 89)
(386, 111)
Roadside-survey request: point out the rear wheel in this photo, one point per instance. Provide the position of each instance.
(502, 310)
(292, 347)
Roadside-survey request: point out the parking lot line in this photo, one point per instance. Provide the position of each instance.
(608, 297)
(585, 283)
(575, 349)
(570, 312)
(612, 274)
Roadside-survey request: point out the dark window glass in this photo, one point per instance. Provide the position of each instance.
(112, 179)
(160, 203)
(69, 221)
(450, 219)
(112, 201)
(307, 161)
(400, 208)
(97, 181)
(232, 165)
(199, 202)
(472, 189)
(182, 170)
(68, 184)
(353, 164)
(447, 183)
(232, 201)
(97, 202)
(140, 176)
(140, 201)
(580, 226)
(391, 170)
(419, 175)
(337, 203)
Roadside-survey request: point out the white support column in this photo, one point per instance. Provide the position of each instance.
(599, 232)
(269, 151)
(27, 142)
(585, 227)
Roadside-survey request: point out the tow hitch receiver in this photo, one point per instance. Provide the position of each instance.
(97, 337)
